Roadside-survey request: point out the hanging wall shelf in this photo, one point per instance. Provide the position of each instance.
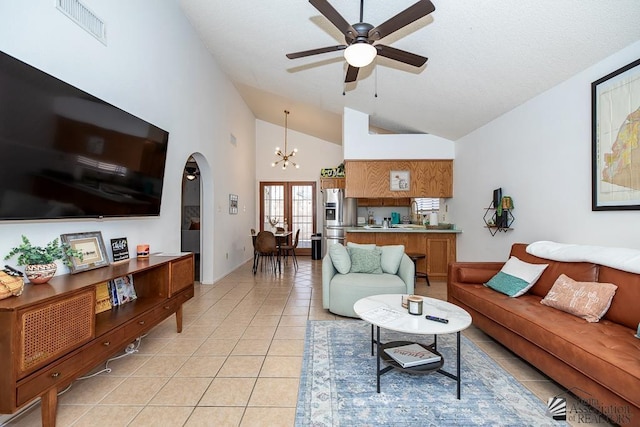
(495, 222)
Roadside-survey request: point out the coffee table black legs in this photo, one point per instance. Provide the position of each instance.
(379, 348)
(450, 375)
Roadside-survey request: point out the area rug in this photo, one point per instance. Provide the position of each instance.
(338, 385)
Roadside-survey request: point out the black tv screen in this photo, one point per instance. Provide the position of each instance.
(67, 154)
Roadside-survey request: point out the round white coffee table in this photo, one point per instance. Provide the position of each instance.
(386, 311)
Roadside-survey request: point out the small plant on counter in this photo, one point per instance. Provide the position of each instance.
(40, 260)
(54, 250)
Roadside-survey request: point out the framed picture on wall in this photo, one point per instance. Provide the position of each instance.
(399, 181)
(233, 204)
(615, 157)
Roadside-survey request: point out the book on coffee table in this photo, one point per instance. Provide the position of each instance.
(412, 355)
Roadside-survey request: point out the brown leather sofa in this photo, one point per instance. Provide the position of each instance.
(598, 362)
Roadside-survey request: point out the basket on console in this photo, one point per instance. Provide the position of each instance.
(10, 285)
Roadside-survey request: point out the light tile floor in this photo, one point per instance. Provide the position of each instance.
(237, 362)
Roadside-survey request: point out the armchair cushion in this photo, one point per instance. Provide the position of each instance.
(391, 257)
(361, 245)
(340, 258)
(365, 260)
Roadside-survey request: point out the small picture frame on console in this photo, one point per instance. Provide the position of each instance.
(91, 246)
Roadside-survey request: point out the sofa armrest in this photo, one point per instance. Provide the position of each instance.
(472, 272)
(407, 272)
(328, 271)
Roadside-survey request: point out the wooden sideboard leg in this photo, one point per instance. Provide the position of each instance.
(49, 406)
(179, 319)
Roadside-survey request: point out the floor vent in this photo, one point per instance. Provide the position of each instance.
(85, 18)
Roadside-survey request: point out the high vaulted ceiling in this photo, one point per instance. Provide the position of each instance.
(485, 58)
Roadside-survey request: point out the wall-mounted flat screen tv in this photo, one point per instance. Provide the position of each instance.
(67, 154)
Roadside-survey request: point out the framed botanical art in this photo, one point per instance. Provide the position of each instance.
(92, 248)
(615, 157)
(399, 181)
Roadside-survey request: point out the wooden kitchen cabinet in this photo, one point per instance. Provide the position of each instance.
(384, 201)
(440, 248)
(332, 183)
(51, 334)
(370, 178)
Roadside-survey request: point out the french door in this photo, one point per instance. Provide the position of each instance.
(293, 202)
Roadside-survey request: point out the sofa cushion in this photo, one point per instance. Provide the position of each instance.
(516, 277)
(475, 275)
(624, 307)
(391, 257)
(365, 260)
(580, 271)
(340, 258)
(588, 300)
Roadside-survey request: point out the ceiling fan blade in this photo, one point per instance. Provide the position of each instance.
(352, 74)
(315, 51)
(402, 19)
(336, 19)
(401, 55)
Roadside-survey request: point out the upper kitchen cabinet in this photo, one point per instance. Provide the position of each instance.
(421, 178)
(331, 183)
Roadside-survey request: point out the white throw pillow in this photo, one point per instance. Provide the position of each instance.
(516, 277)
(340, 258)
(391, 258)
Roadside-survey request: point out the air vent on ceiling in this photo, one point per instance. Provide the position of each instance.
(84, 17)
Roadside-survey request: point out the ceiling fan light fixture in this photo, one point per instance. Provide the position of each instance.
(360, 54)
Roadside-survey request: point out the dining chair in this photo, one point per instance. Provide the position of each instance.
(291, 248)
(265, 248)
(255, 255)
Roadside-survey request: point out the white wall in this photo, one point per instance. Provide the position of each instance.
(154, 66)
(313, 155)
(540, 154)
(359, 144)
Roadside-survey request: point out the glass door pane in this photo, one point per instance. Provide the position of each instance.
(272, 206)
(302, 213)
(293, 201)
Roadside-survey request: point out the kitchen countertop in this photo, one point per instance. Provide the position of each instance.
(398, 229)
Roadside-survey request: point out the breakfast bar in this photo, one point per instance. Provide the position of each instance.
(439, 245)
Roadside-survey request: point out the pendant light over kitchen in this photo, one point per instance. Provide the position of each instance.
(284, 157)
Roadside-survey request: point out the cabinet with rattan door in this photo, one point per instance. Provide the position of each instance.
(51, 334)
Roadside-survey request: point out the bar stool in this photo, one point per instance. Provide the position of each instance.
(415, 257)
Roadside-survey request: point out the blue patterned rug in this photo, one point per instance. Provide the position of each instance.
(338, 385)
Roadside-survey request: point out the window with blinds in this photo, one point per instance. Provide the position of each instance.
(427, 204)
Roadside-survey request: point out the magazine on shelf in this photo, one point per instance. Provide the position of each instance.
(113, 293)
(412, 355)
(124, 289)
(103, 297)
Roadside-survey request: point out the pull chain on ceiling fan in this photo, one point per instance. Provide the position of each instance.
(360, 50)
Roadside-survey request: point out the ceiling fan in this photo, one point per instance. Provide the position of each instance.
(360, 50)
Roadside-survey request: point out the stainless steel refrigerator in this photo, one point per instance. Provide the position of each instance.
(340, 212)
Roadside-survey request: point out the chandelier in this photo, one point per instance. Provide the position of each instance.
(283, 156)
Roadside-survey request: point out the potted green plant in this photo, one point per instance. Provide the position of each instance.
(40, 262)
